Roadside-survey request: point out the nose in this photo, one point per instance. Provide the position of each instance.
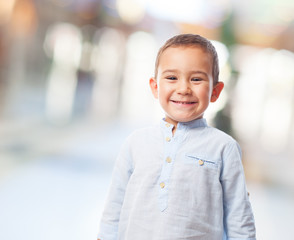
(183, 87)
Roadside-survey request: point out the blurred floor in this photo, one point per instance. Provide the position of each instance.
(52, 201)
(53, 181)
(59, 195)
(273, 210)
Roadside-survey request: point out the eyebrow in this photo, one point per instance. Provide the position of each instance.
(191, 72)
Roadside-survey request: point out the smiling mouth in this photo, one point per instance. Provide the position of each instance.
(182, 102)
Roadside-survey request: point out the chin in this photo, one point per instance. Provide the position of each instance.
(189, 119)
(184, 120)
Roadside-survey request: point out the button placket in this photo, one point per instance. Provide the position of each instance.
(169, 145)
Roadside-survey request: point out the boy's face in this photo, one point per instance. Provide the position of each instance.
(184, 84)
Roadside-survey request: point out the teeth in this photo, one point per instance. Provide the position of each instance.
(184, 102)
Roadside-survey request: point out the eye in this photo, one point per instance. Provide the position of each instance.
(196, 79)
(171, 78)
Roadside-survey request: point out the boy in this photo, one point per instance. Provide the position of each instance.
(182, 179)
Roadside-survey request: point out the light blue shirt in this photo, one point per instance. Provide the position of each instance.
(187, 186)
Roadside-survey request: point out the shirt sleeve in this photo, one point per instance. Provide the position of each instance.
(121, 173)
(238, 217)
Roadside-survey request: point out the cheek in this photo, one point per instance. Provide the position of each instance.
(163, 90)
(203, 92)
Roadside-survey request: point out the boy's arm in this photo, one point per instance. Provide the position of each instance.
(121, 173)
(238, 217)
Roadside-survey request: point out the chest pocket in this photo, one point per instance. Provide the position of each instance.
(201, 162)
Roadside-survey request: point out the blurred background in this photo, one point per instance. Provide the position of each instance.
(74, 83)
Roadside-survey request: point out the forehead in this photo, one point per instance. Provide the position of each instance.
(185, 57)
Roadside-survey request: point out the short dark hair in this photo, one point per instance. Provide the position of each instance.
(191, 40)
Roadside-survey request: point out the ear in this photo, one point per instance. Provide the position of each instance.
(217, 89)
(154, 87)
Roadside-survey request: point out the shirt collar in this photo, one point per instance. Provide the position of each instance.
(201, 122)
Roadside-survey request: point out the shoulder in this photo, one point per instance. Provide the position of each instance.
(213, 134)
(220, 134)
(219, 140)
(230, 144)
